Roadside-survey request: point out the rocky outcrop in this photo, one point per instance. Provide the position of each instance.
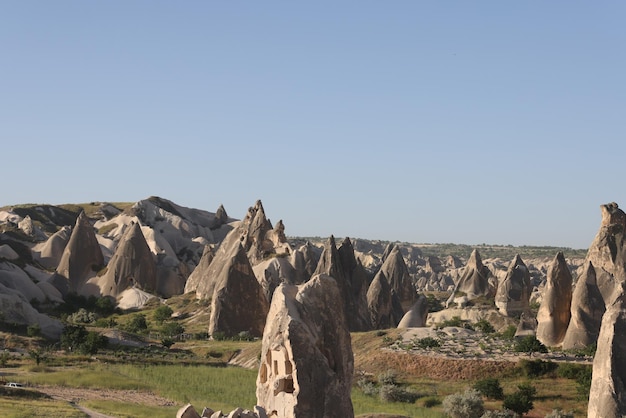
(271, 273)
(238, 302)
(305, 260)
(416, 316)
(196, 276)
(28, 227)
(608, 250)
(513, 294)
(49, 253)
(380, 305)
(82, 258)
(397, 274)
(587, 310)
(259, 238)
(221, 218)
(306, 357)
(555, 310)
(607, 397)
(475, 279)
(132, 265)
(342, 265)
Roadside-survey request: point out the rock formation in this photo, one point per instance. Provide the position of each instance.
(608, 250)
(417, 315)
(341, 264)
(475, 279)
(196, 275)
(607, 397)
(259, 238)
(586, 313)
(555, 310)
(397, 274)
(305, 260)
(49, 253)
(272, 272)
(514, 290)
(306, 359)
(132, 265)
(82, 258)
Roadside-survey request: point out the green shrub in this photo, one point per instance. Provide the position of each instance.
(490, 388)
(171, 329)
(388, 378)
(571, 370)
(33, 330)
(509, 332)
(219, 336)
(395, 393)
(368, 387)
(162, 313)
(431, 401)
(520, 401)
(530, 344)
(464, 405)
(502, 413)
(484, 326)
(137, 324)
(537, 368)
(426, 342)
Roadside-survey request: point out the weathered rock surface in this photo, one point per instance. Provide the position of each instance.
(187, 411)
(475, 279)
(397, 274)
(272, 272)
(49, 253)
(81, 259)
(513, 293)
(555, 310)
(379, 303)
(417, 315)
(132, 265)
(607, 397)
(342, 265)
(587, 310)
(196, 275)
(259, 238)
(608, 251)
(306, 359)
(305, 260)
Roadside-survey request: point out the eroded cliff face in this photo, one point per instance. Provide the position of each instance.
(554, 312)
(306, 358)
(513, 294)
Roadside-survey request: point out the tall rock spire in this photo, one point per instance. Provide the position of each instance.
(555, 311)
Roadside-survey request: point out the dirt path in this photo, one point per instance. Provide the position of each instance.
(75, 395)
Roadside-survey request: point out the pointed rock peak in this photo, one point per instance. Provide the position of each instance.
(387, 251)
(559, 258)
(221, 212)
(258, 206)
(82, 218)
(517, 262)
(612, 214)
(331, 242)
(475, 260)
(346, 242)
(280, 227)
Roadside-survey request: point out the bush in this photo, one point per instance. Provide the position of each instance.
(171, 329)
(522, 400)
(33, 330)
(464, 405)
(394, 393)
(137, 324)
(537, 368)
(455, 321)
(162, 313)
(484, 326)
(219, 336)
(431, 401)
(72, 337)
(167, 342)
(530, 344)
(244, 336)
(426, 342)
(93, 342)
(509, 333)
(388, 378)
(490, 388)
(82, 316)
(105, 306)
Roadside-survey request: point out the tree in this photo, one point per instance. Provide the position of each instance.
(137, 324)
(162, 313)
(167, 342)
(171, 329)
(530, 344)
(72, 337)
(490, 388)
(105, 306)
(464, 405)
(38, 355)
(93, 342)
(522, 400)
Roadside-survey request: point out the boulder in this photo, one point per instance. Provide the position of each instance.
(306, 357)
(82, 258)
(607, 397)
(555, 310)
(513, 294)
(586, 313)
(187, 411)
(416, 316)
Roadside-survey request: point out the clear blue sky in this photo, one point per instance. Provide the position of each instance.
(467, 122)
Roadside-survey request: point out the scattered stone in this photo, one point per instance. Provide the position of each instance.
(187, 411)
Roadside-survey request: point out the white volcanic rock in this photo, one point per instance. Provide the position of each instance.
(417, 315)
(16, 309)
(607, 397)
(555, 310)
(133, 298)
(49, 253)
(306, 357)
(272, 272)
